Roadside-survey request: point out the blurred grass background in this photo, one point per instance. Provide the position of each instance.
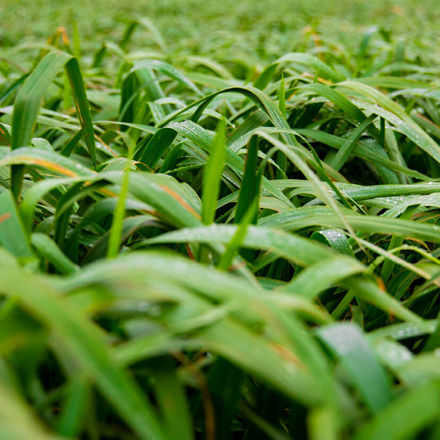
(264, 28)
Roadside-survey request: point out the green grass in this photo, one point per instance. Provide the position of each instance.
(219, 226)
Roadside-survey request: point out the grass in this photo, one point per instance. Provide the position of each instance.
(227, 235)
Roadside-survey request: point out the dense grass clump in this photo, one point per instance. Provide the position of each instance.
(207, 247)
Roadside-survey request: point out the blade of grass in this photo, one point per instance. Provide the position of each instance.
(212, 175)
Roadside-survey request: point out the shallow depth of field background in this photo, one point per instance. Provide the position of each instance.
(260, 29)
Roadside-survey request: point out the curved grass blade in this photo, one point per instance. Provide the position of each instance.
(296, 249)
(48, 249)
(349, 345)
(83, 340)
(28, 102)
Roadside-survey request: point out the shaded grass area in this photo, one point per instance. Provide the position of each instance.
(219, 226)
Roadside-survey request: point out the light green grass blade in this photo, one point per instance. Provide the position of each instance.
(28, 102)
(296, 249)
(83, 340)
(405, 417)
(349, 345)
(12, 233)
(212, 175)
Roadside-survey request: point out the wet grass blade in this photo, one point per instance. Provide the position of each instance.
(29, 99)
(348, 344)
(83, 340)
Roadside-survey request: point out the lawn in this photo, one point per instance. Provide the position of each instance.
(219, 220)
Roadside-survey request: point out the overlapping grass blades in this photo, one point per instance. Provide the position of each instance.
(215, 249)
(28, 102)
